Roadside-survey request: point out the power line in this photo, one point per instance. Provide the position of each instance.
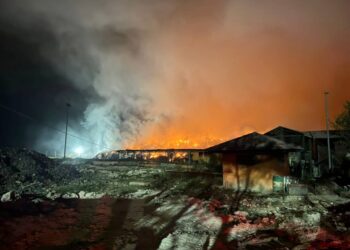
(49, 126)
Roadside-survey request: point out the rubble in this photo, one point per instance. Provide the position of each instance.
(70, 196)
(27, 171)
(9, 196)
(53, 195)
(132, 204)
(297, 189)
(90, 195)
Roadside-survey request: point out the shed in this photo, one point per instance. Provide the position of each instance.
(250, 161)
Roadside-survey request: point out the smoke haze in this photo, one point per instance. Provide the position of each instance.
(191, 73)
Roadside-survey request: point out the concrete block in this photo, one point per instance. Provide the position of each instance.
(297, 189)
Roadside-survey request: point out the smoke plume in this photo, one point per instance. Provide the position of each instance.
(193, 73)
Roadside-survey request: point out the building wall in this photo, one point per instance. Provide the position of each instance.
(202, 157)
(199, 156)
(253, 172)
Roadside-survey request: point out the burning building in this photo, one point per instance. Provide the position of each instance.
(189, 156)
(251, 161)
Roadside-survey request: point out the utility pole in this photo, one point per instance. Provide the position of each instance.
(327, 127)
(65, 138)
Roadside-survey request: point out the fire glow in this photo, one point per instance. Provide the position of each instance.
(174, 144)
(178, 74)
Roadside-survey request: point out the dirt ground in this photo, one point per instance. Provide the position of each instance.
(156, 209)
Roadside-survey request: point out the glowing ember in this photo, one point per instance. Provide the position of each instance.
(176, 143)
(156, 155)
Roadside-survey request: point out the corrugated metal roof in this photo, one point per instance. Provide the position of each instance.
(254, 142)
(284, 130)
(322, 134)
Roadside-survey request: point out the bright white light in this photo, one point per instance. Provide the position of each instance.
(79, 151)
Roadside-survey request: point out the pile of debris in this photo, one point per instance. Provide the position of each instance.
(27, 171)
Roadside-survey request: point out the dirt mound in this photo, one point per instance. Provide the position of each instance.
(23, 170)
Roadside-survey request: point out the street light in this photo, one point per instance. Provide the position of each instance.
(78, 151)
(327, 127)
(65, 138)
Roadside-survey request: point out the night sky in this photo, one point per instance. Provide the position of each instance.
(32, 86)
(168, 73)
